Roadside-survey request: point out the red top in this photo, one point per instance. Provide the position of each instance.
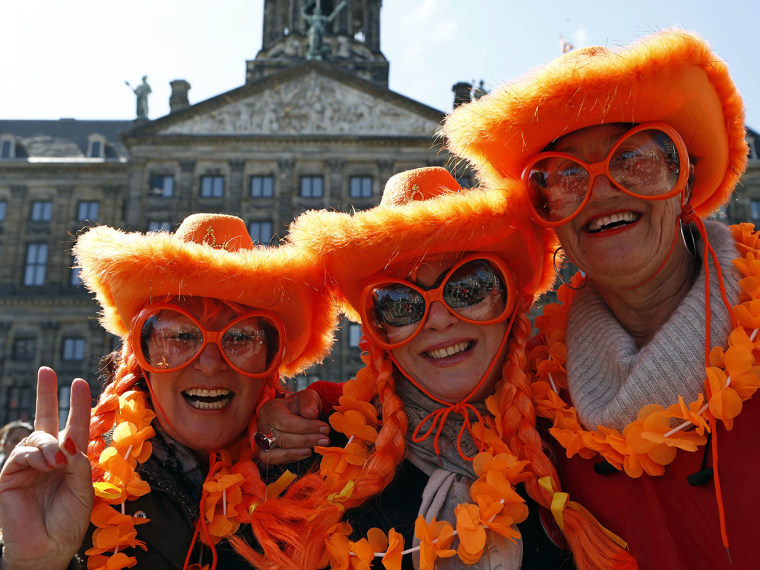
(669, 524)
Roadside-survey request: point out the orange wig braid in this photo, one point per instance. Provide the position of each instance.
(305, 514)
(307, 507)
(591, 548)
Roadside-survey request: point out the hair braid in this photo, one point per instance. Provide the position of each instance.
(592, 549)
(125, 375)
(303, 516)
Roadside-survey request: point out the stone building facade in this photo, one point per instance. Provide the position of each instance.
(314, 125)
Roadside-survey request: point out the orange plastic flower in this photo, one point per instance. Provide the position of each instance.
(353, 422)
(472, 536)
(337, 547)
(114, 562)
(435, 538)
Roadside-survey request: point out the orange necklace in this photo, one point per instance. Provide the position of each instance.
(496, 505)
(650, 442)
(225, 502)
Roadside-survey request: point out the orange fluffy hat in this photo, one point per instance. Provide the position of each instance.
(672, 76)
(424, 212)
(210, 255)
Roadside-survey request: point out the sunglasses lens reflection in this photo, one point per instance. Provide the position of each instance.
(170, 340)
(645, 163)
(476, 291)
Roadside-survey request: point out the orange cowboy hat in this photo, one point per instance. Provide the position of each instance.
(672, 76)
(210, 255)
(424, 212)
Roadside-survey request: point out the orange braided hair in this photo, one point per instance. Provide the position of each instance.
(304, 512)
(591, 548)
(310, 515)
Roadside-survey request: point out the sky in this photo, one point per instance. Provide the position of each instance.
(71, 58)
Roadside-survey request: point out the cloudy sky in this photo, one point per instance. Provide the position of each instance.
(71, 58)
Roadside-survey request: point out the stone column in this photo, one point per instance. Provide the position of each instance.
(233, 199)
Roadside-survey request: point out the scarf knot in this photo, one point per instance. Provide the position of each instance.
(437, 419)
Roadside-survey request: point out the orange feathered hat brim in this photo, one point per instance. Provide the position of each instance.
(128, 270)
(356, 247)
(672, 76)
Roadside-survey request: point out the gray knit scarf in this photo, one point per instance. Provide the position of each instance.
(450, 478)
(610, 379)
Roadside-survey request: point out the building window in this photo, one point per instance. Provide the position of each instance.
(354, 335)
(212, 186)
(2, 210)
(95, 146)
(42, 211)
(754, 209)
(20, 401)
(261, 232)
(360, 187)
(76, 279)
(36, 260)
(64, 403)
(87, 210)
(25, 348)
(7, 148)
(262, 186)
(162, 186)
(311, 186)
(159, 226)
(73, 348)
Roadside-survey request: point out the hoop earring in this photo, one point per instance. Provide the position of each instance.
(559, 274)
(689, 242)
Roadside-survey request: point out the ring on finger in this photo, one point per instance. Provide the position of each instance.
(265, 440)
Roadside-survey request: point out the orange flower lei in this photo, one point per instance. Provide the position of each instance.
(650, 442)
(224, 505)
(497, 506)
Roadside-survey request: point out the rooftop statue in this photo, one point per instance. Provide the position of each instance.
(317, 27)
(141, 91)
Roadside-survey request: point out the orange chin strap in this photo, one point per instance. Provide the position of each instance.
(438, 417)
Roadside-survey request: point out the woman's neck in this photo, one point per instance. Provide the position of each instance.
(643, 310)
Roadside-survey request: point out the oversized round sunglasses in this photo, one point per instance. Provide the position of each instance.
(650, 162)
(478, 289)
(166, 338)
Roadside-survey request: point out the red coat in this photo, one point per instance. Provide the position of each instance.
(669, 524)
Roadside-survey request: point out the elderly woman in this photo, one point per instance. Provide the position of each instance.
(208, 321)
(646, 368)
(439, 424)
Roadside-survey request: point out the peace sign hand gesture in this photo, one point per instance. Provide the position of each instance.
(46, 491)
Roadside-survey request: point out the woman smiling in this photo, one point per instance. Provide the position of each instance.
(208, 322)
(646, 369)
(439, 427)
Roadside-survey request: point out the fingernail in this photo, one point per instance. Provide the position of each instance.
(304, 452)
(325, 430)
(60, 458)
(323, 441)
(69, 446)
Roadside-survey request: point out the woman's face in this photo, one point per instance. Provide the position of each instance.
(13, 437)
(207, 403)
(617, 239)
(449, 356)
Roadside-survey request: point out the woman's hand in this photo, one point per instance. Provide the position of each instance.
(46, 484)
(293, 422)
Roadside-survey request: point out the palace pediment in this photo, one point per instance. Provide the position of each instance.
(313, 99)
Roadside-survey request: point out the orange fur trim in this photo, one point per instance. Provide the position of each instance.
(672, 76)
(357, 246)
(128, 270)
